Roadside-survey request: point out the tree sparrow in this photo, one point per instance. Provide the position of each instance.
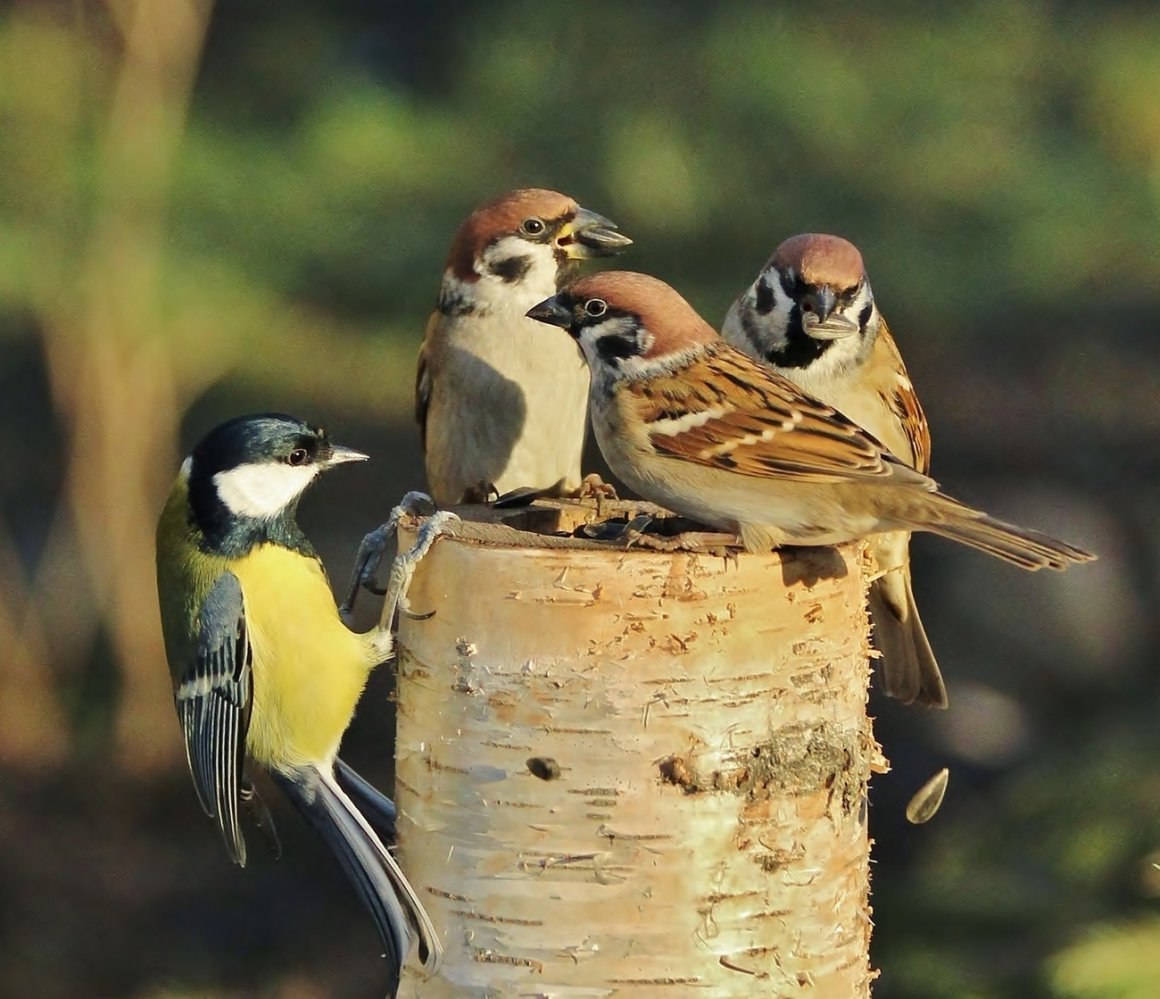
(811, 315)
(695, 425)
(498, 408)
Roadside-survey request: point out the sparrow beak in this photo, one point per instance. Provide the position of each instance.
(551, 311)
(818, 317)
(590, 235)
(340, 455)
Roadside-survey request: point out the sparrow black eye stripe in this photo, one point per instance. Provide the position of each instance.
(619, 346)
(511, 269)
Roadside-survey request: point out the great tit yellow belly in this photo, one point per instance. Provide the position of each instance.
(262, 664)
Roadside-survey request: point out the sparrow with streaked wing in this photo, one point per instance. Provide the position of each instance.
(697, 426)
(811, 315)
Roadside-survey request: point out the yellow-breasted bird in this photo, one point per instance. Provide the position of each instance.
(262, 664)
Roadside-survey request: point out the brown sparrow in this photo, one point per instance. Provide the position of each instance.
(811, 315)
(695, 425)
(499, 408)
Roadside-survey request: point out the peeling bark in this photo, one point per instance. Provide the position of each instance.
(634, 772)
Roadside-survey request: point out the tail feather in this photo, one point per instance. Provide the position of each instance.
(1022, 546)
(398, 914)
(910, 671)
(376, 806)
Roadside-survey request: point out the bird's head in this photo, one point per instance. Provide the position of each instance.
(520, 245)
(811, 300)
(255, 468)
(628, 325)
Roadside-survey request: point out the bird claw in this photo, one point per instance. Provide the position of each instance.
(372, 547)
(594, 487)
(403, 568)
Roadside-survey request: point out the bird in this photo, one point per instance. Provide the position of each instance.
(263, 667)
(811, 315)
(500, 410)
(696, 426)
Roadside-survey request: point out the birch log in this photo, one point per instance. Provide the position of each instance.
(636, 773)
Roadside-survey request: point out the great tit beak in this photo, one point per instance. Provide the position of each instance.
(590, 235)
(551, 311)
(340, 455)
(818, 317)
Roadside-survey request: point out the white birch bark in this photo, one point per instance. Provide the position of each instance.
(635, 773)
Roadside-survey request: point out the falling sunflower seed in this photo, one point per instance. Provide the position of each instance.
(928, 798)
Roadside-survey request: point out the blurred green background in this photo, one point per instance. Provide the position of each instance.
(207, 210)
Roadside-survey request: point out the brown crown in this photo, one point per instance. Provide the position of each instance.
(821, 259)
(502, 217)
(673, 322)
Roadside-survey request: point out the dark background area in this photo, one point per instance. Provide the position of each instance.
(212, 209)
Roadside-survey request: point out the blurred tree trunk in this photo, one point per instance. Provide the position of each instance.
(636, 772)
(111, 366)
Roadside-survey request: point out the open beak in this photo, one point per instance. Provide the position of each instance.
(340, 455)
(590, 235)
(819, 319)
(551, 311)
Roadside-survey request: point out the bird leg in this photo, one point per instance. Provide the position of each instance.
(403, 568)
(594, 487)
(370, 551)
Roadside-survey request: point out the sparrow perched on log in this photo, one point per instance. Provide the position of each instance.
(811, 316)
(499, 407)
(697, 426)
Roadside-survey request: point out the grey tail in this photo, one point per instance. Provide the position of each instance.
(910, 671)
(376, 806)
(396, 910)
(1021, 546)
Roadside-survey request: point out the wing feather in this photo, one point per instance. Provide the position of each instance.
(728, 411)
(904, 401)
(423, 379)
(214, 697)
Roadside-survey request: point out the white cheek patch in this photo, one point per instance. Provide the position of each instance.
(865, 297)
(262, 490)
(539, 279)
(778, 318)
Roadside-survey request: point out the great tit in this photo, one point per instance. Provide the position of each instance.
(262, 664)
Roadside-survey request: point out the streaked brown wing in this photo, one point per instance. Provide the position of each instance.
(904, 402)
(725, 410)
(423, 381)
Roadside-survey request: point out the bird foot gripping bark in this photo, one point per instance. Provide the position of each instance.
(594, 487)
(374, 545)
(403, 568)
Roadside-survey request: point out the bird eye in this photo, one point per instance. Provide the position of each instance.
(596, 307)
(299, 456)
(533, 226)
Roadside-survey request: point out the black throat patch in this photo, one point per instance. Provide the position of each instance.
(796, 350)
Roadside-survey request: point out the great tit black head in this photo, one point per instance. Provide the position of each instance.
(246, 475)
